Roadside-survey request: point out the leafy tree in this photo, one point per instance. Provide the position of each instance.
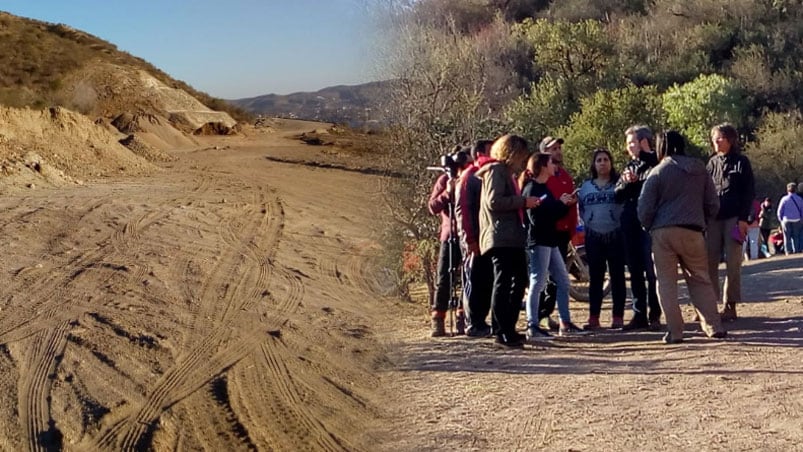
(602, 120)
(694, 107)
(776, 153)
(542, 111)
(577, 52)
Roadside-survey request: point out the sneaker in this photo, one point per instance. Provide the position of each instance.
(478, 331)
(548, 323)
(655, 325)
(729, 313)
(509, 340)
(669, 339)
(722, 334)
(570, 329)
(617, 323)
(438, 328)
(636, 323)
(593, 323)
(535, 334)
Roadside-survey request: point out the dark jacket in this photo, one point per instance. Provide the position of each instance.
(501, 205)
(678, 192)
(733, 180)
(627, 193)
(542, 221)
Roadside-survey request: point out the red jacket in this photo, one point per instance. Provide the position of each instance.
(439, 205)
(559, 184)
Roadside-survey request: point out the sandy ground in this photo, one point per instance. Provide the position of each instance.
(230, 301)
(224, 303)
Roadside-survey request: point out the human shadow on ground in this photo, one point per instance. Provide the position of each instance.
(610, 352)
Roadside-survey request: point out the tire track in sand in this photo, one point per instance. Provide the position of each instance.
(216, 350)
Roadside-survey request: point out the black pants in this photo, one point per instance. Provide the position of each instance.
(477, 288)
(546, 305)
(510, 280)
(638, 255)
(606, 252)
(443, 279)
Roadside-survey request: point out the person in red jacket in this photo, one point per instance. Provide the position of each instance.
(441, 202)
(561, 183)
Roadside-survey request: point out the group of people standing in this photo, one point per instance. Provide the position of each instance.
(514, 214)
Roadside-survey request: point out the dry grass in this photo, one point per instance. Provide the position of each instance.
(36, 56)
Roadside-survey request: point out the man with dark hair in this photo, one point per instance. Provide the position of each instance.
(477, 269)
(675, 214)
(561, 183)
(790, 214)
(637, 241)
(733, 180)
(441, 202)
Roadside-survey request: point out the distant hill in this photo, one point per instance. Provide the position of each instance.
(44, 64)
(353, 105)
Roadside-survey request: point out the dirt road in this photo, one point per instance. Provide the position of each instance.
(231, 302)
(221, 304)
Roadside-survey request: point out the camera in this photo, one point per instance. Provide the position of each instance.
(452, 163)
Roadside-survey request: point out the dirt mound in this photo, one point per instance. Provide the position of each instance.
(144, 150)
(56, 146)
(153, 130)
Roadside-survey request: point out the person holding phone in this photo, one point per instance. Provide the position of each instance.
(542, 246)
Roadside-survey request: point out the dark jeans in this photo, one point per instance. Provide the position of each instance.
(443, 279)
(546, 305)
(606, 251)
(510, 280)
(477, 288)
(638, 255)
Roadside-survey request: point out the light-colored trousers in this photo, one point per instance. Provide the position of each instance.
(719, 241)
(750, 246)
(673, 247)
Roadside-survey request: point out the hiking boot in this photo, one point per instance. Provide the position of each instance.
(636, 323)
(593, 323)
(617, 323)
(570, 329)
(438, 327)
(460, 323)
(478, 331)
(536, 334)
(669, 339)
(510, 340)
(729, 313)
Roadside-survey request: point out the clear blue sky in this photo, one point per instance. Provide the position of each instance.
(229, 48)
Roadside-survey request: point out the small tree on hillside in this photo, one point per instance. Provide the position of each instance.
(694, 107)
(438, 100)
(602, 121)
(776, 154)
(542, 111)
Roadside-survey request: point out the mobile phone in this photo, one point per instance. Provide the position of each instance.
(542, 197)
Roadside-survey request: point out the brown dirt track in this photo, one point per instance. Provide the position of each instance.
(230, 302)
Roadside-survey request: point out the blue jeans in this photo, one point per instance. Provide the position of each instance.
(543, 262)
(792, 236)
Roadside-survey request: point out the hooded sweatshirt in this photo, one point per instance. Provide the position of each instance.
(678, 192)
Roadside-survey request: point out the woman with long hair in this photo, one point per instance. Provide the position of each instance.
(502, 234)
(603, 237)
(542, 246)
